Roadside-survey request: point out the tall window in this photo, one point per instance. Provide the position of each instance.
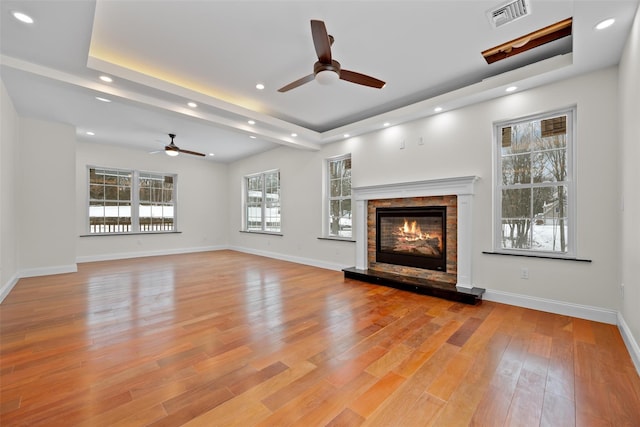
(109, 201)
(339, 196)
(535, 185)
(156, 202)
(262, 202)
(129, 201)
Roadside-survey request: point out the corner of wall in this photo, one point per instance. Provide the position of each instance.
(7, 287)
(629, 341)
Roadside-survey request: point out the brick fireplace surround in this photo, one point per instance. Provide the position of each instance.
(455, 193)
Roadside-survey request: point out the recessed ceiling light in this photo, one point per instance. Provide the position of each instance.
(192, 104)
(346, 135)
(294, 135)
(90, 133)
(23, 17)
(605, 24)
(252, 136)
(106, 79)
(251, 122)
(103, 99)
(259, 86)
(437, 109)
(385, 124)
(511, 88)
(211, 154)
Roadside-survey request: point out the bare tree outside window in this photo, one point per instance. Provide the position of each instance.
(534, 185)
(262, 202)
(339, 189)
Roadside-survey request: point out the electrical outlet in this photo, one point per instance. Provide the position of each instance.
(622, 290)
(524, 273)
(402, 144)
(420, 141)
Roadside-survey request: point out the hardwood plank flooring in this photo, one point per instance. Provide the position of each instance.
(225, 338)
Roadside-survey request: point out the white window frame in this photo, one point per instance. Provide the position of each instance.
(569, 183)
(328, 198)
(135, 201)
(263, 205)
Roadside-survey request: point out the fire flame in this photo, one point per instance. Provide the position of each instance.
(411, 232)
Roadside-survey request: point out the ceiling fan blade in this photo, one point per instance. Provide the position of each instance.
(299, 82)
(321, 41)
(195, 153)
(361, 79)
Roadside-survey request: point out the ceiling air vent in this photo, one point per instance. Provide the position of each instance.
(508, 12)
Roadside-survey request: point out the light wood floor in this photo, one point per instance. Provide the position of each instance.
(225, 338)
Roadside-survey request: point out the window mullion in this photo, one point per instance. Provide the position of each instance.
(135, 201)
(263, 205)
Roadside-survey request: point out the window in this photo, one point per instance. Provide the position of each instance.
(535, 185)
(339, 196)
(156, 204)
(129, 201)
(262, 202)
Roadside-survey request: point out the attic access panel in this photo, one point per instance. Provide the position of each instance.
(529, 41)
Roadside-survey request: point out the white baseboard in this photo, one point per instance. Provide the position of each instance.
(6, 288)
(553, 306)
(127, 255)
(48, 271)
(299, 260)
(629, 341)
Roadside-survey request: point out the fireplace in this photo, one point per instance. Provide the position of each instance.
(433, 192)
(412, 236)
(455, 194)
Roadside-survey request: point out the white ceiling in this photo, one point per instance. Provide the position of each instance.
(162, 54)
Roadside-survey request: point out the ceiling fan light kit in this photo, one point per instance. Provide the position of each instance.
(327, 77)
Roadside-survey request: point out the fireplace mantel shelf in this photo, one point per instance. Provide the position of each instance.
(434, 187)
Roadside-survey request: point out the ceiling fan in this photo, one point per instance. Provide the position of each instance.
(173, 150)
(326, 69)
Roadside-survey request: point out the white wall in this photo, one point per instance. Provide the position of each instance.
(459, 143)
(45, 194)
(629, 91)
(8, 226)
(202, 204)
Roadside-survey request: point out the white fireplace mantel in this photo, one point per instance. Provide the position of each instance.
(462, 187)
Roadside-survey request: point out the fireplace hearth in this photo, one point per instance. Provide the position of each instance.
(412, 236)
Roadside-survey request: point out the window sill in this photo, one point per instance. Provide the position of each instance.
(538, 256)
(270, 233)
(136, 233)
(339, 239)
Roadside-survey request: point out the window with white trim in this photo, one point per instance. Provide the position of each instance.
(131, 201)
(262, 202)
(339, 196)
(535, 185)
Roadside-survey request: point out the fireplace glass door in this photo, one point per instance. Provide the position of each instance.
(412, 236)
